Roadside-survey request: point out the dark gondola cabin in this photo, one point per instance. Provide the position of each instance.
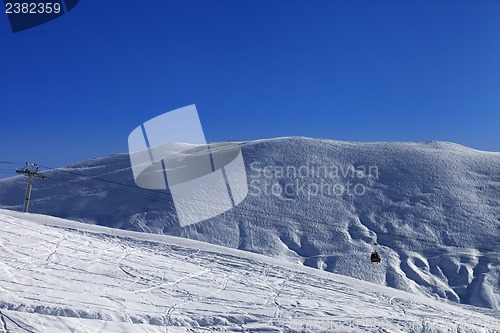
(375, 257)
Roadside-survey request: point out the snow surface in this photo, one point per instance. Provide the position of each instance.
(434, 209)
(62, 276)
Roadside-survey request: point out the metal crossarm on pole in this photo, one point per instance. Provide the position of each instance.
(30, 170)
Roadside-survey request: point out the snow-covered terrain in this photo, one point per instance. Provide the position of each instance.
(63, 276)
(434, 209)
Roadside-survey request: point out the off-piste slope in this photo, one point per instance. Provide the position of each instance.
(62, 276)
(433, 208)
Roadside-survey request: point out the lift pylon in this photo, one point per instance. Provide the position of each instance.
(30, 170)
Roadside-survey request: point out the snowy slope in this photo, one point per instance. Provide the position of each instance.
(433, 207)
(62, 276)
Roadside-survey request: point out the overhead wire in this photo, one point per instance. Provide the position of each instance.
(135, 187)
(144, 196)
(154, 194)
(273, 217)
(9, 162)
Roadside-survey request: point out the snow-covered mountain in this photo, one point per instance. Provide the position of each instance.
(63, 276)
(433, 208)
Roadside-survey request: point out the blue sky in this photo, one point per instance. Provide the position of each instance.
(76, 87)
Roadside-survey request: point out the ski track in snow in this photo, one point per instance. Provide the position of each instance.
(82, 278)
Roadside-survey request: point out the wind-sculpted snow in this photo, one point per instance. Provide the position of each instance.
(62, 276)
(433, 208)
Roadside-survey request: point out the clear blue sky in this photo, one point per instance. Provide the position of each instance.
(75, 87)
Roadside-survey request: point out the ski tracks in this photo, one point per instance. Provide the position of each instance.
(173, 283)
(397, 304)
(4, 319)
(4, 323)
(56, 247)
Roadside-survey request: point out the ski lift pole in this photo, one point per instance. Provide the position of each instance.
(28, 193)
(31, 170)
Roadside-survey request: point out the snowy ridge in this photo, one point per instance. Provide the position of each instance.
(434, 209)
(62, 276)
